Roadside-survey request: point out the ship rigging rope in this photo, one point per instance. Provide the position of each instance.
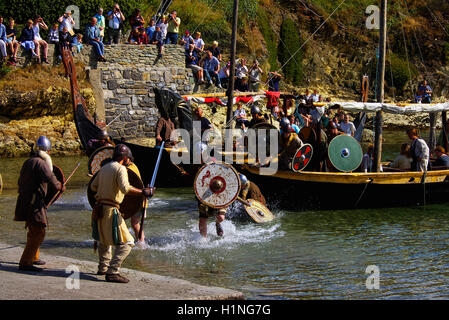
(308, 39)
(204, 16)
(406, 53)
(438, 20)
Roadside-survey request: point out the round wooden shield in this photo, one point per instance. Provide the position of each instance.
(307, 135)
(302, 158)
(98, 157)
(217, 185)
(258, 212)
(345, 153)
(131, 204)
(51, 192)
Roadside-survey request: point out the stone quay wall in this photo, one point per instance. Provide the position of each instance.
(123, 85)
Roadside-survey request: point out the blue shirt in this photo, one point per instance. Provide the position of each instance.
(92, 32)
(424, 89)
(211, 64)
(2, 32)
(150, 31)
(189, 54)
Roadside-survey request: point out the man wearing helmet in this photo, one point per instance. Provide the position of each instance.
(256, 116)
(289, 143)
(102, 140)
(36, 176)
(108, 227)
(249, 190)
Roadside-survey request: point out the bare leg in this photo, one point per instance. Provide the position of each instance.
(203, 227)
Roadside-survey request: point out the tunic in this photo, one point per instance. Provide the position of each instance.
(111, 184)
(252, 191)
(35, 177)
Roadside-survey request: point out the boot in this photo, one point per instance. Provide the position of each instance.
(115, 277)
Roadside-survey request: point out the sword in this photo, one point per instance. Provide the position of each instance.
(153, 180)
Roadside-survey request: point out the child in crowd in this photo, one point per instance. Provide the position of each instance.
(150, 30)
(142, 38)
(158, 40)
(53, 34)
(78, 42)
(133, 36)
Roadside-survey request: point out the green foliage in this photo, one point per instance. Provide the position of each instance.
(288, 53)
(270, 38)
(50, 11)
(4, 70)
(400, 69)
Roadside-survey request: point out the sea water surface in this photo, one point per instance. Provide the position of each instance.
(299, 255)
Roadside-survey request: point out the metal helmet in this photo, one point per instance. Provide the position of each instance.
(103, 135)
(243, 179)
(285, 125)
(43, 143)
(255, 110)
(121, 151)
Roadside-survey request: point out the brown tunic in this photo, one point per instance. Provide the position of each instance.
(164, 128)
(288, 150)
(253, 192)
(35, 176)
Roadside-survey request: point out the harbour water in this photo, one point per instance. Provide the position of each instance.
(300, 255)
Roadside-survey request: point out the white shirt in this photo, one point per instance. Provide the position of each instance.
(36, 32)
(239, 113)
(114, 23)
(347, 128)
(163, 27)
(241, 71)
(66, 22)
(199, 43)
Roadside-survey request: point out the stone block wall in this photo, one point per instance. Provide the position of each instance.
(128, 78)
(125, 82)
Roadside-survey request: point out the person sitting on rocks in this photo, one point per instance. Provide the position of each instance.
(77, 42)
(158, 40)
(65, 41)
(198, 42)
(223, 75)
(215, 50)
(11, 41)
(26, 38)
(3, 53)
(192, 63)
(243, 85)
(211, 68)
(186, 40)
(133, 36)
(142, 39)
(93, 38)
(53, 35)
(38, 41)
(240, 117)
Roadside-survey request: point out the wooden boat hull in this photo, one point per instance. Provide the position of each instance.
(322, 190)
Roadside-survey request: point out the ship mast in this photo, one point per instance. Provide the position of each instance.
(380, 86)
(230, 92)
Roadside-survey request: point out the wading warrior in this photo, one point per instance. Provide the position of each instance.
(108, 227)
(36, 176)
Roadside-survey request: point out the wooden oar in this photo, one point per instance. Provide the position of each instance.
(153, 181)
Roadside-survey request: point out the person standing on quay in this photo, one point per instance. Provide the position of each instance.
(35, 177)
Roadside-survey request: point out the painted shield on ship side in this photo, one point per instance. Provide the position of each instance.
(217, 185)
(131, 203)
(302, 158)
(345, 153)
(100, 157)
(258, 212)
(51, 192)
